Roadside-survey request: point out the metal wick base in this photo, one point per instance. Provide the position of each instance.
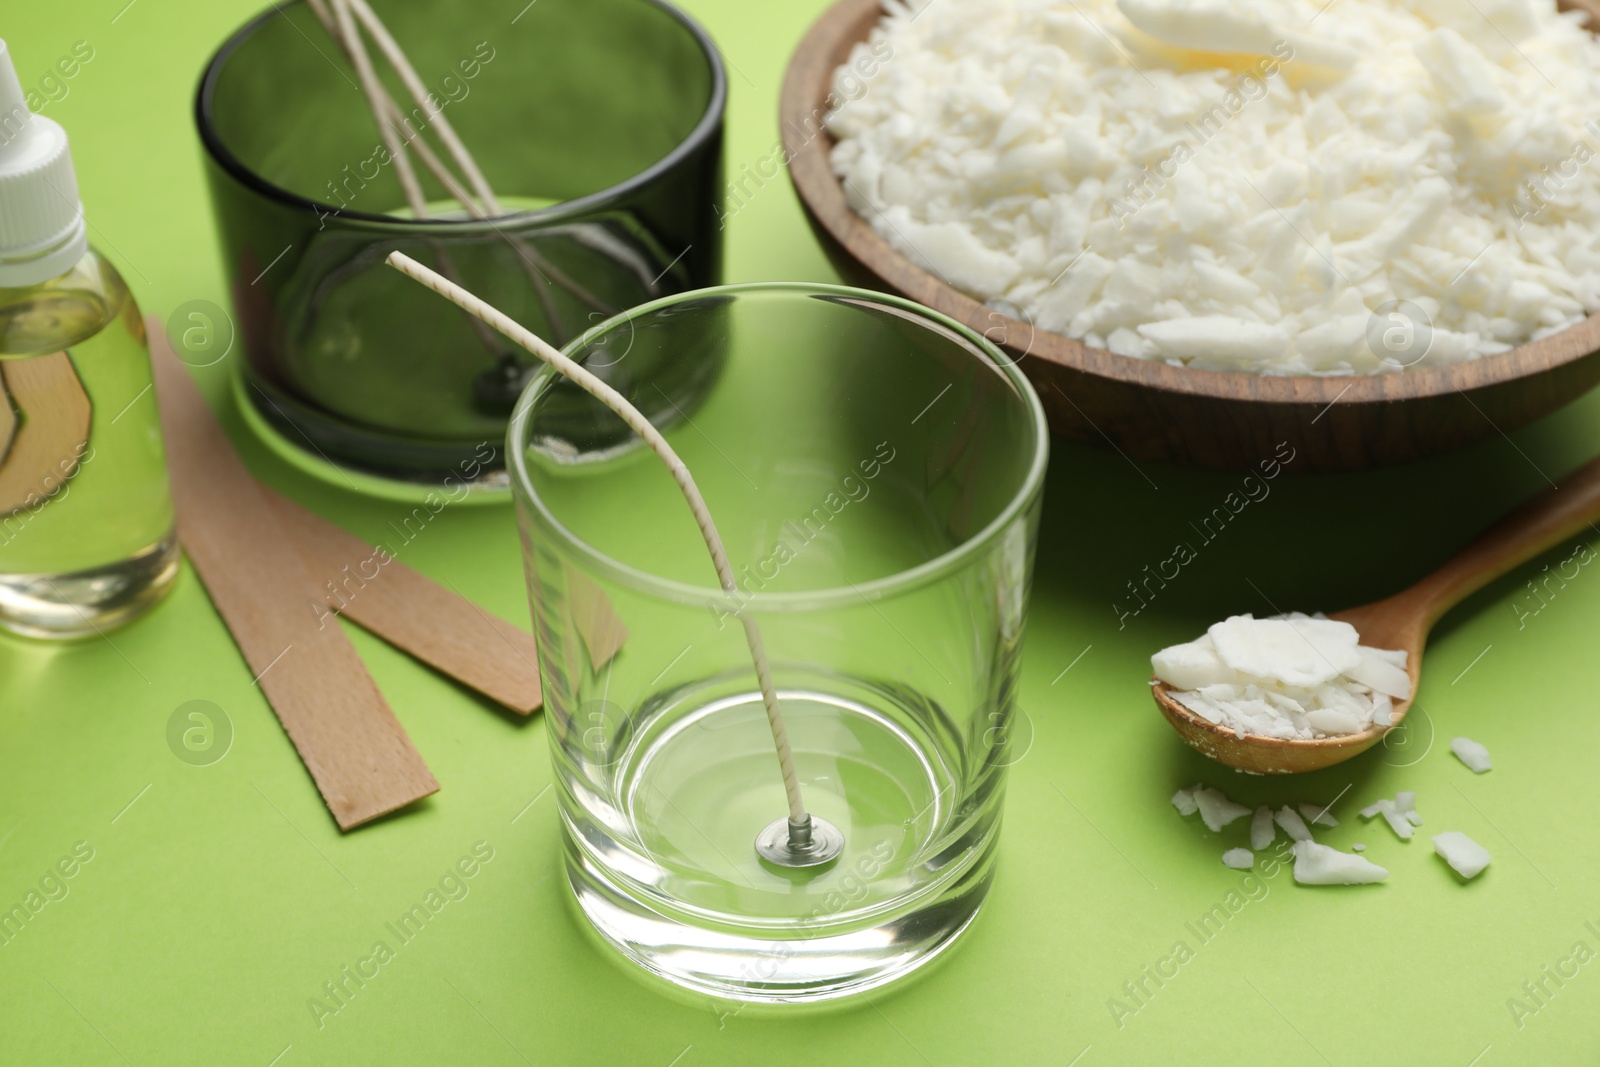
(800, 844)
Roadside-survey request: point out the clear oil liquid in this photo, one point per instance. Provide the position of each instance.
(86, 520)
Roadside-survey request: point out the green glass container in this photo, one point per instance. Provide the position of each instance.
(598, 123)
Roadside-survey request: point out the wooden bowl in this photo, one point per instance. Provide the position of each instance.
(1154, 411)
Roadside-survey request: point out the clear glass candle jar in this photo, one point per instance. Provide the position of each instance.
(875, 471)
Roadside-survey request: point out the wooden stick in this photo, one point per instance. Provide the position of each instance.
(377, 592)
(536, 267)
(642, 426)
(410, 611)
(602, 632)
(391, 112)
(419, 92)
(370, 89)
(8, 421)
(343, 31)
(417, 143)
(384, 106)
(358, 754)
(533, 265)
(53, 435)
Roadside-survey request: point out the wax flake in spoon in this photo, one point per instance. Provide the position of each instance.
(1382, 671)
(1297, 650)
(1194, 665)
(1296, 677)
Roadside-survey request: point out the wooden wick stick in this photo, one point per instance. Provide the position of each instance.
(369, 88)
(451, 183)
(536, 267)
(533, 264)
(397, 119)
(386, 113)
(419, 92)
(636, 421)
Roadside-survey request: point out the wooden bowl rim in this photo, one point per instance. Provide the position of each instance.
(806, 85)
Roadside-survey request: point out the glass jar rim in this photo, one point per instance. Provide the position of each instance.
(812, 599)
(705, 129)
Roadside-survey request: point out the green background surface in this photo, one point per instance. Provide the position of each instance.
(220, 898)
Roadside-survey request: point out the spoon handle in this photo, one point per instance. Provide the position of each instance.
(1543, 522)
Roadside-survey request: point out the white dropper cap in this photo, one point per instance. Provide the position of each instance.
(41, 220)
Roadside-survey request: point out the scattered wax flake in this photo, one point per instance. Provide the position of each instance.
(1183, 800)
(1474, 755)
(1405, 802)
(1292, 824)
(1217, 810)
(1400, 825)
(1358, 847)
(1462, 853)
(1399, 813)
(1397, 822)
(1316, 864)
(1239, 858)
(1262, 832)
(1317, 815)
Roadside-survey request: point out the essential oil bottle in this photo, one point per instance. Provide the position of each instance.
(86, 522)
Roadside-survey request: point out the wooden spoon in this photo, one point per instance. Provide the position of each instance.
(1402, 622)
